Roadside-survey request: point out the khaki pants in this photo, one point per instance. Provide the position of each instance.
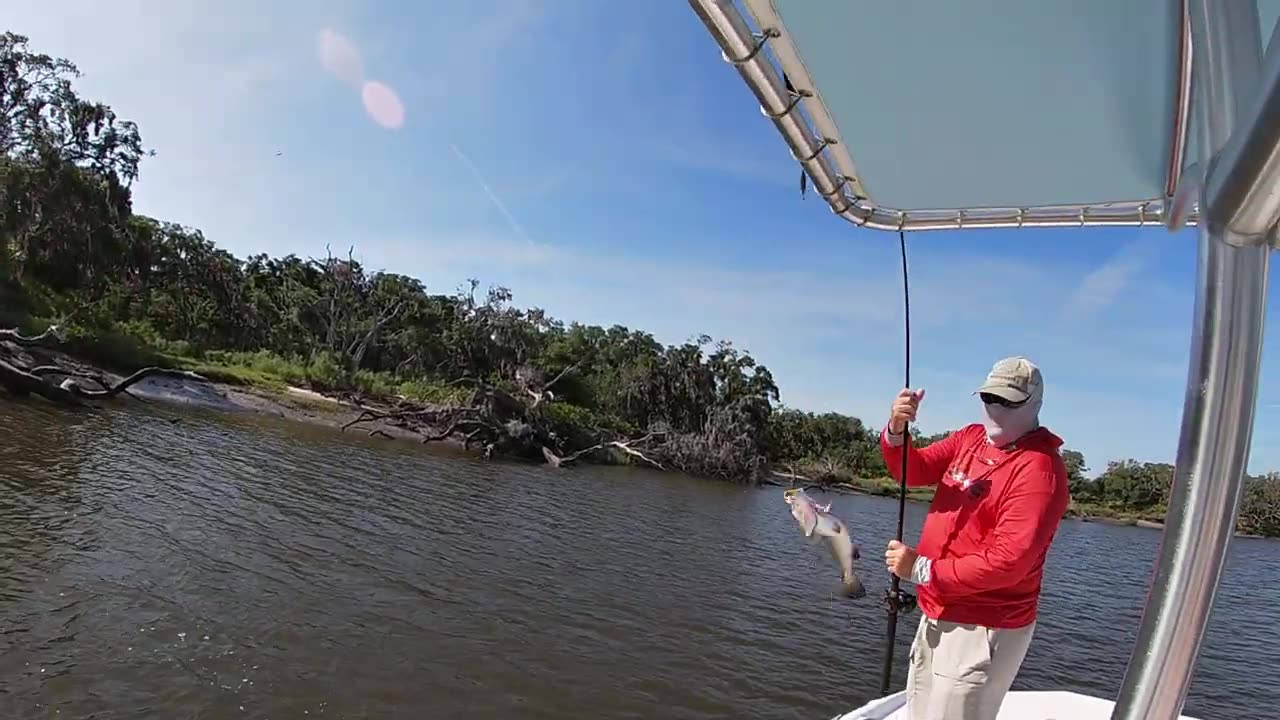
(962, 672)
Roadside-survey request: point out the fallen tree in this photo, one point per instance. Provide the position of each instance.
(626, 446)
(502, 422)
(521, 424)
(24, 379)
(491, 418)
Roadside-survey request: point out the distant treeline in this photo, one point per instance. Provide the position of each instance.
(135, 290)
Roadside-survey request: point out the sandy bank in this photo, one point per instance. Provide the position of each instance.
(291, 403)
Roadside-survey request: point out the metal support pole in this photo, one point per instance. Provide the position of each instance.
(1218, 409)
(1242, 189)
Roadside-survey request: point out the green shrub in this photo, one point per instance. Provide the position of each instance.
(434, 392)
(326, 372)
(377, 384)
(566, 414)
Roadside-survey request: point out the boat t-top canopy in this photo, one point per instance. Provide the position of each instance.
(1006, 113)
(1000, 114)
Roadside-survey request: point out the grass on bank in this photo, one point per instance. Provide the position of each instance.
(126, 347)
(887, 487)
(844, 479)
(1085, 509)
(129, 346)
(1079, 508)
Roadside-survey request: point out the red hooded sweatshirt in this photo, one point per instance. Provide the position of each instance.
(988, 530)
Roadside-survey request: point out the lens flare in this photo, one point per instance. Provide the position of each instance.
(383, 105)
(339, 56)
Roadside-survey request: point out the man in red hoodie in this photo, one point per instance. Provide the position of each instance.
(1001, 489)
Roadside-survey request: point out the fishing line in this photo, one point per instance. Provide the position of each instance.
(895, 599)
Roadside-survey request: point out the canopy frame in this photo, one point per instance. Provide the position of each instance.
(766, 58)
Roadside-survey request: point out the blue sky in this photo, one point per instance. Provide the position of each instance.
(602, 161)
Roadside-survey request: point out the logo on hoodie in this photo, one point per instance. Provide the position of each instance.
(973, 488)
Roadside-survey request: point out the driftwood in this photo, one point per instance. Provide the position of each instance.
(17, 338)
(519, 422)
(20, 382)
(491, 418)
(542, 393)
(497, 421)
(113, 390)
(38, 380)
(776, 478)
(623, 445)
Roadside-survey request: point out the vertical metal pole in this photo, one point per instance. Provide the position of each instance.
(1222, 379)
(1242, 192)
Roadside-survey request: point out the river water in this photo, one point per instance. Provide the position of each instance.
(157, 564)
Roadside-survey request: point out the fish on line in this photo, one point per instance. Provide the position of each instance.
(817, 523)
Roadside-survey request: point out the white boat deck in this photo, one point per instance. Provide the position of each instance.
(1018, 705)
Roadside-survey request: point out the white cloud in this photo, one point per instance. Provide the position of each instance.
(488, 191)
(1099, 289)
(706, 154)
(469, 54)
(532, 186)
(444, 260)
(218, 89)
(198, 78)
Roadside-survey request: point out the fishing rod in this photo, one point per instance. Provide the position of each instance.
(895, 599)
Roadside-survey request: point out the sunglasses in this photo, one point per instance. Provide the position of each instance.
(991, 399)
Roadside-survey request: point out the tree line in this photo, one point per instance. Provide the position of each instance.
(839, 448)
(1143, 488)
(131, 289)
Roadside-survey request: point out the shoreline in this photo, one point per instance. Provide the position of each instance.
(290, 403)
(877, 488)
(306, 406)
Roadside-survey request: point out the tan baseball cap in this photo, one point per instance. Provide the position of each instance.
(1014, 378)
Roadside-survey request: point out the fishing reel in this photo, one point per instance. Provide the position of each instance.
(899, 601)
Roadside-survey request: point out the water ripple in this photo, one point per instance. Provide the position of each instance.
(193, 565)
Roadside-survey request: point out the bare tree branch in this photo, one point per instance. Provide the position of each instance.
(23, 381)
(124, 384)
(358, 347)
(544, 393)
(623, 445)
(17, 338)
(43, 370)
(20, 382)
(563, 372)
